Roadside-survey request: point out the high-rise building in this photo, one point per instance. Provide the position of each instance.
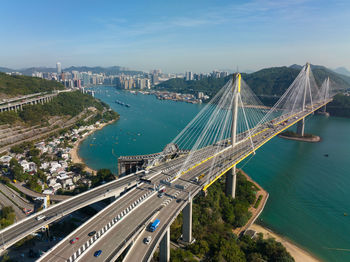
(59, 68)
(189, 76)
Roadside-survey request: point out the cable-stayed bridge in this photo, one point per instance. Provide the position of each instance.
(229, 129)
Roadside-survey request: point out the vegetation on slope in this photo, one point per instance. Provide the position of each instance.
(65, 104)
(340, 106)
(25, 85)
(7, 217)
(214, 217)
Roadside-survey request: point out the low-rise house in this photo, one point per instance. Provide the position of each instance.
(51, 181)
(55, 187)
(70, 186)
(48, 192)
(25, 165)
(32, 167)
(63, 163)
(44, 165)
(5, 159)
(54, 167)
(76, 178)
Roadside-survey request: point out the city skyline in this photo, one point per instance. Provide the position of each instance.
(177, 37)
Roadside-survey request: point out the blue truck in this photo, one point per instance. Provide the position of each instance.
(154, 225)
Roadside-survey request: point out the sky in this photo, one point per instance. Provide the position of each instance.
(175, 36)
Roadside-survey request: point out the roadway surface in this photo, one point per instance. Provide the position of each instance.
(32, 193)
(63, 250)
(26, 226)
(13, 199)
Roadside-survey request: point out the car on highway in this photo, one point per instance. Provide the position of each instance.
(40, 217)
(92, 233)
(97, 253)
(147, 240)
(178, 200)
(74, 240)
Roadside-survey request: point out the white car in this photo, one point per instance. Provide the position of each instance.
(147, 240)
(40, 217)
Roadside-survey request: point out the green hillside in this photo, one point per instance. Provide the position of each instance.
(68, 104)
(340, 106)
(11, 86)
(266, 82)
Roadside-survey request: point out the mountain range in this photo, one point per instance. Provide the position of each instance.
(112, 70)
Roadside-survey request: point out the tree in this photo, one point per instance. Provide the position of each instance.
(16, 170)
(33, 184)
(17, 149)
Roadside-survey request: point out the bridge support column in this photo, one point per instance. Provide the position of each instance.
(324, 109)
(164, 247)
(301, 127)
(231, 178)
(187, 223)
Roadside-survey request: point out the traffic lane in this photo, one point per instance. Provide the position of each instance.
(63, 251)
(16, 197)
(166, 214)
(120, 232)
(4, 201)
(174, 209)
(56, 213)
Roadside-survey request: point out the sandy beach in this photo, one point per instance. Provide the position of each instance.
(74, 152)
(297, 253)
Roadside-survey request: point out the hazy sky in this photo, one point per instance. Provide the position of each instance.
(176, 36)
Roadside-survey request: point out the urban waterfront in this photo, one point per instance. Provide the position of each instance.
(308, 191)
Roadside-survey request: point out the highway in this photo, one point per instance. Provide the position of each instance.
(17, 231)
(154, 207)
(63, 250)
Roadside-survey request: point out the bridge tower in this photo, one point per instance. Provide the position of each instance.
(301, 123)
(231, 174)
(326, 95)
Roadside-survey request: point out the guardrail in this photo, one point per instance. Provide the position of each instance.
(93, 240)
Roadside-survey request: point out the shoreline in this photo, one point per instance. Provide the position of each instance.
(298, 253)
(75, 158)
(255, 211)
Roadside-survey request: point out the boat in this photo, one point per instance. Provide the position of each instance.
(121, 103)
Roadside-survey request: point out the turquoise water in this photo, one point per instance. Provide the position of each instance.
(309, 193)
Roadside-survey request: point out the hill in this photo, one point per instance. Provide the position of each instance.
(269, 84)
(11, 86)
(112, 70)
(340, 106)
(6, 70)
(342, 71)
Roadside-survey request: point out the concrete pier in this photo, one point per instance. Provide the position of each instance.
(187, 223)
(164, 247)
(231, 180)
